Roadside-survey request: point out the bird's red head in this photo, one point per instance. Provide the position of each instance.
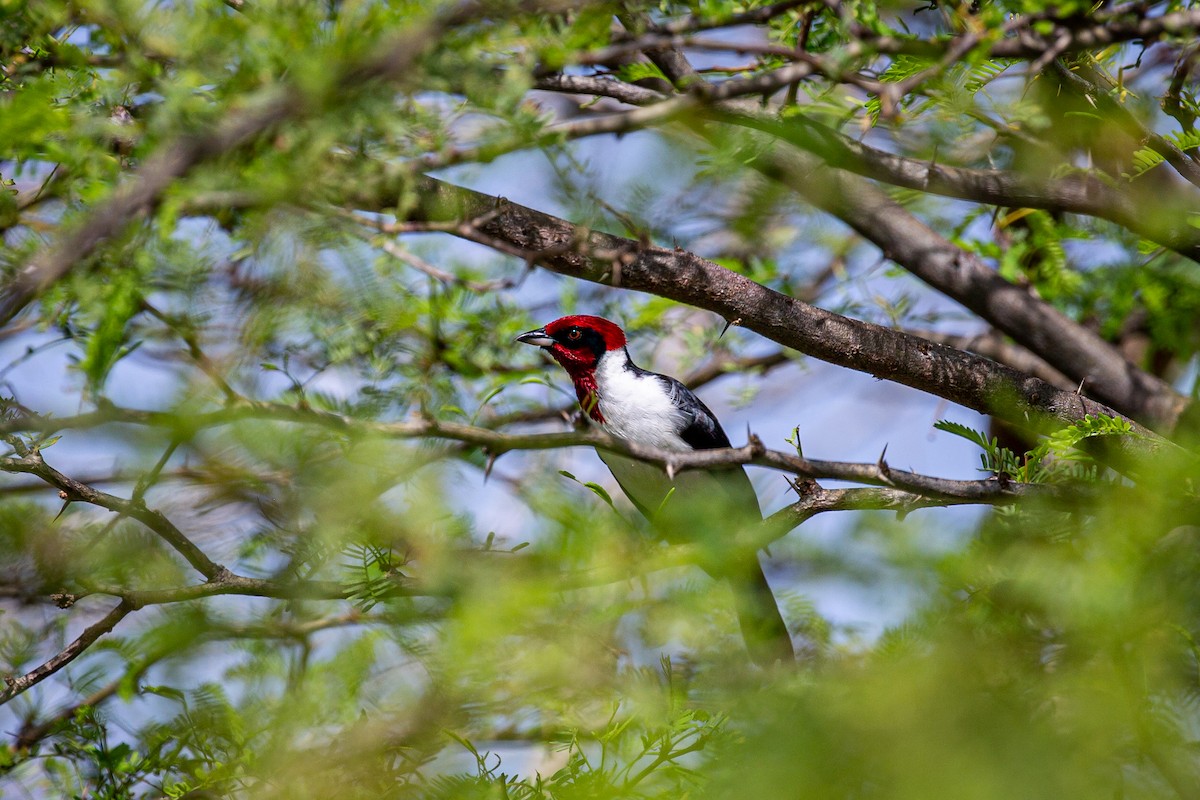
(577, 342)
(595, 332)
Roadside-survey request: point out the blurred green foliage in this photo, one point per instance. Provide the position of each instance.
(1052, 651)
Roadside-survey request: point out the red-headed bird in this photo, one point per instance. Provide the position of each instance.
(704, 507)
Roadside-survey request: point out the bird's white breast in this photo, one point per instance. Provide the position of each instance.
(637, 407)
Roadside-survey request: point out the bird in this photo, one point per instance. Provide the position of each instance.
(706, 508)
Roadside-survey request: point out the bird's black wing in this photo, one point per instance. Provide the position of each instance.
(701, 429)
(703, 432)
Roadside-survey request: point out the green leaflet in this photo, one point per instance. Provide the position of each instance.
(1146, 158)
(1030, 467)
(108, 342)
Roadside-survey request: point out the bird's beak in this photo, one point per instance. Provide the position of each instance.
(537, 338)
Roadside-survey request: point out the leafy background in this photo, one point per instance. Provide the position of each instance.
(410, 618)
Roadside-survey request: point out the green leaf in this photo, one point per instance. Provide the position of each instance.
(965, 432)
(640, 71)
(1146, 158)
(106, 344)
(601, 492)
(595, 488)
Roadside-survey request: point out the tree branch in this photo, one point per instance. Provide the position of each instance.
(963, 276)
(71, 489)
(499, 442)
(1152, 212)
(557, 245)
(15, 686)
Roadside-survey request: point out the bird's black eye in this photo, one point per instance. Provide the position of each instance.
(574, 334)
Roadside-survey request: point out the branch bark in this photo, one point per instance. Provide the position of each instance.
(970, 380)
(15, 686)
(72, 490)
(1076, 351)
(497, 443)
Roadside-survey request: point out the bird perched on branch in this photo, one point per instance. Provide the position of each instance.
(706, 508)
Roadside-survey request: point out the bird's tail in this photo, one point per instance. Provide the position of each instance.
(762, 624)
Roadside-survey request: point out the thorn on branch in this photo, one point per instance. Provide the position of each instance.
(885, 472)
(804, 487)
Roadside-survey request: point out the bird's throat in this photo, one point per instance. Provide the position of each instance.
(588, 394)
(582, 367)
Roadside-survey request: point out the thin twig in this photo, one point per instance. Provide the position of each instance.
(73, 490)
(15, 686)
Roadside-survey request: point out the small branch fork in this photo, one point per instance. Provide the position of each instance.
(71, 490)
(219, 579)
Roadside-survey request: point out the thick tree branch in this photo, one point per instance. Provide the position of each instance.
(1156, 213)
(1076, 351)
(967, 379)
